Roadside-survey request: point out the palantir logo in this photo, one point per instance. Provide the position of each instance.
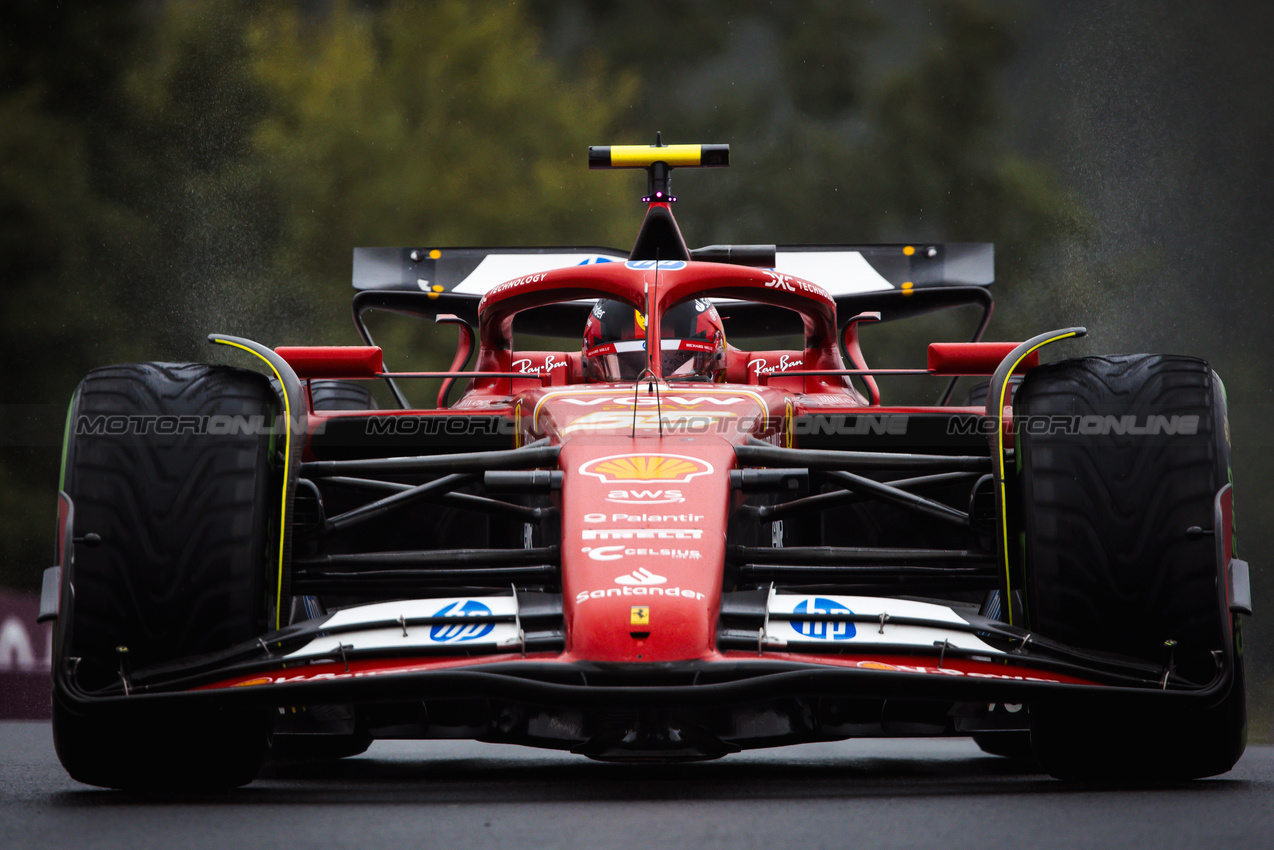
(822, 629)
(459, 632)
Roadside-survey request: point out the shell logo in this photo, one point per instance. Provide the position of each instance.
(646, 467)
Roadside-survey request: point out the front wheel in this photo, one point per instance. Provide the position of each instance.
(171, 467)
(1118, 458)
(1008, 743)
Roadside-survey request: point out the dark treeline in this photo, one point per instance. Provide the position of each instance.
(176, 168)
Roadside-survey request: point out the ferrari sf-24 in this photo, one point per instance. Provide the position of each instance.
(688, 527)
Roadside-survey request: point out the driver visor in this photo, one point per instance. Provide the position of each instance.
(625, 359)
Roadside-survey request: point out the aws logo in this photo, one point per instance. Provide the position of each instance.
(645, 497)
(620, 469)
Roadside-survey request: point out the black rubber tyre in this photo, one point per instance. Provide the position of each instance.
(1012, 744)
(342, 395)
(182, 505)
(148, 750)
(1108, 563)
(976, 397)
(315, 748)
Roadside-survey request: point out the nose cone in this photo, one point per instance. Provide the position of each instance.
(643, 546)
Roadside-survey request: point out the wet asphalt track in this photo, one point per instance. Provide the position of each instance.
(464, 795)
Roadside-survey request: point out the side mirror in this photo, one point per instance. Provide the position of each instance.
(464, 347)
(849, 337)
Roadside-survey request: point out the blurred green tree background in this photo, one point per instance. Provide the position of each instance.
(173, 168)
(181, 167)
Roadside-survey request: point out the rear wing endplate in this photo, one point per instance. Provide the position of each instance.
(839, 269)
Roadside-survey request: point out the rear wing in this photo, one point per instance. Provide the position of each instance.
(853, 269)
(841, 270)
(464, 271)
(896, 280)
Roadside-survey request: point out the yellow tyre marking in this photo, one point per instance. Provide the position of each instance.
(287, 459)
(1004, 513)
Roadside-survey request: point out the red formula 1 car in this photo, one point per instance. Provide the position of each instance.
(675, 540)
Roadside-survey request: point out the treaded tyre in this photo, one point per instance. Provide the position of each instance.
(1108, 563)
(182, 505)
(976, 397)
(341, 395)
(1010, 744)
(318, 748)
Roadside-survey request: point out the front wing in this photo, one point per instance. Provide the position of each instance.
(808, 660)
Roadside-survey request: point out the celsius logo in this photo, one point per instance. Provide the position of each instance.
(641, 576)
(821, 629)
(614, 553)
(460, 632)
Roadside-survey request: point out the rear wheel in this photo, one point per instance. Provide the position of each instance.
(171, 466)
(318, 747)
(1135, 453)
(976, 396)
(1009, 743)
(341, 395)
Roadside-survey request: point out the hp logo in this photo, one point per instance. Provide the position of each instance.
(460, 632)
(821, 629)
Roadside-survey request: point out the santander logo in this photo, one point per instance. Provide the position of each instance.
(640, 576)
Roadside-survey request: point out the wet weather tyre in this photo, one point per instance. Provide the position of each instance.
(171, 466)
(341, 395)
(976, 396)
(1136, 450)
(316, 748)
(1011, 744)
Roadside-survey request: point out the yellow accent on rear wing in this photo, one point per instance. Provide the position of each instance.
(644, 156)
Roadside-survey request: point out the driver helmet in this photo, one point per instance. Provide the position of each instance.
(692, 348)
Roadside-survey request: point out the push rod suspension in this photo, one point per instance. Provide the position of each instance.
(767, 455)
(837, 498)
(529, 457)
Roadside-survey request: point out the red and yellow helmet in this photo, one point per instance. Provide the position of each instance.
(692, 348)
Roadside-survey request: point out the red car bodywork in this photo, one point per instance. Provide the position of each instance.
(630, 600)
